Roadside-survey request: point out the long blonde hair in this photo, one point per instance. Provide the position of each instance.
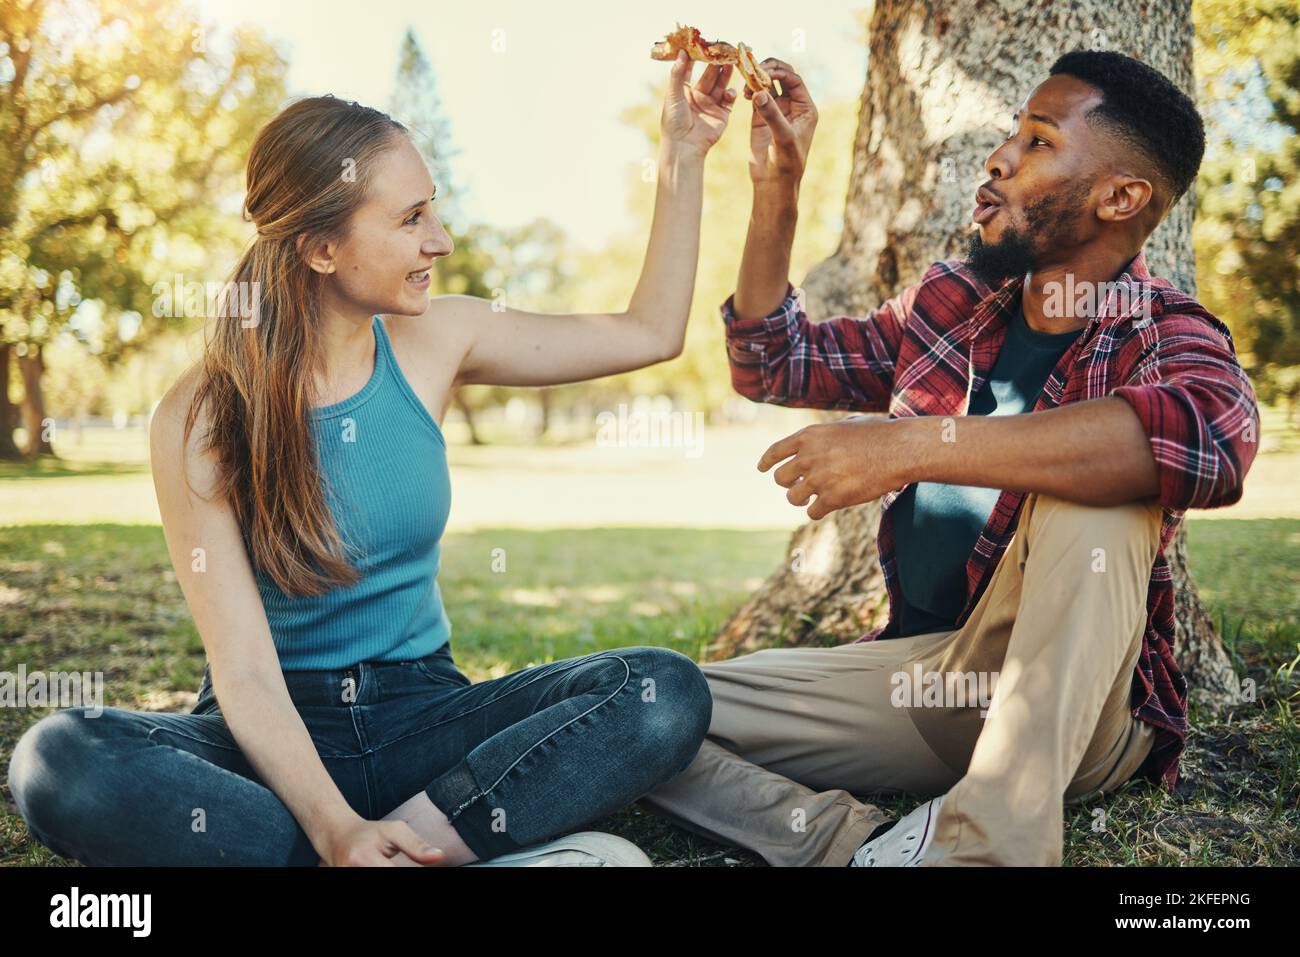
(307, 172)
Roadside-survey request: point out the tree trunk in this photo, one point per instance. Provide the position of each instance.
(829, 590)
(8, 410)
(942, 82)
(544, 426)
(468, 413)
(32, 367)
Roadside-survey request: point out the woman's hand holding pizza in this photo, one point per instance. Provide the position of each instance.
(695, 116)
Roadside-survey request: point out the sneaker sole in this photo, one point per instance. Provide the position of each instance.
(583, 849)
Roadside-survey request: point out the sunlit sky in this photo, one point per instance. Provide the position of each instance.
(533, 90)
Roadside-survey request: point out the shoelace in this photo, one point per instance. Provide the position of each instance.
(879, 830)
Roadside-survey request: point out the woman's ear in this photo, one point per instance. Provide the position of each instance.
(319, 257)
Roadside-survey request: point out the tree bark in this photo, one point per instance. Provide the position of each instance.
(942, 83)
(8, 410)
(32, 367)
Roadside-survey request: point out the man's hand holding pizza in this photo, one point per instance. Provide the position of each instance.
(781, 128)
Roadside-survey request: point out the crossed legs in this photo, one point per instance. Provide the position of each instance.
(797, 733)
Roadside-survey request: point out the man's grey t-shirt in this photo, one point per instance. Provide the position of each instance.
(936, 525)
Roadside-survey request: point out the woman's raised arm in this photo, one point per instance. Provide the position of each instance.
(508, 346)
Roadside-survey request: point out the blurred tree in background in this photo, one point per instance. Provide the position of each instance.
(415, 103)
(1247, 230)
(129, 126)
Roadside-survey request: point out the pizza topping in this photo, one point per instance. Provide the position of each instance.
(696, 47)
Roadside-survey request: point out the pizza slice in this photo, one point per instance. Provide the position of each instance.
(698, 48)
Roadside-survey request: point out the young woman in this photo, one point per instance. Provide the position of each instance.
(302, 478)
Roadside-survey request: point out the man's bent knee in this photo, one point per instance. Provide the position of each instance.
(1103, 534)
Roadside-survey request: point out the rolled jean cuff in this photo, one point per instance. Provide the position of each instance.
(458, 795)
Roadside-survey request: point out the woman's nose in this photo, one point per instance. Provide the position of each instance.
(441, 244)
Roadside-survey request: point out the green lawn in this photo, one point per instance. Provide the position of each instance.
(102, 597)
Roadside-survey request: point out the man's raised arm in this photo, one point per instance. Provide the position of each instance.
(776, 355)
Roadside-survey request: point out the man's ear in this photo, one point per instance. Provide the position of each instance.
(320, 256)
(1127, 198)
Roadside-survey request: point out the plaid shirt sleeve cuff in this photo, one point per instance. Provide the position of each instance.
(742, 327)
(1197, 467)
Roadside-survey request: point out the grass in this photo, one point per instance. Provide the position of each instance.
(104, 598)
(1238, 796)
(85, 594)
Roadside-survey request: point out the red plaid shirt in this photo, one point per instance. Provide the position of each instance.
(925, 351)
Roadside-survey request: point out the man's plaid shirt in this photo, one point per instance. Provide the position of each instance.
(927, 350)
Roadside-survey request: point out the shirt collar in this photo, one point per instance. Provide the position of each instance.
(1129, 297)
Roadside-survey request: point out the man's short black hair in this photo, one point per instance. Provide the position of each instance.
(1145, 110)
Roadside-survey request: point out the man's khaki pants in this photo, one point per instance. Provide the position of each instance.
(797, 732)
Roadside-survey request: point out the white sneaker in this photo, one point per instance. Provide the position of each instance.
(583, 849)
(904, 844)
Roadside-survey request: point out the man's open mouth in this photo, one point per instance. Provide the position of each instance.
(987, 206)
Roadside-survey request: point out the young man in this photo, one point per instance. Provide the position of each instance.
(1054, 409)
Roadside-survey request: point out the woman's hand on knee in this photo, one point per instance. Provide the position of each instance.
(379, 844)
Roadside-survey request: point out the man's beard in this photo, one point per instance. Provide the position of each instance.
(1051, 221)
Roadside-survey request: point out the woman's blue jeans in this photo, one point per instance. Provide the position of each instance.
(512, 761)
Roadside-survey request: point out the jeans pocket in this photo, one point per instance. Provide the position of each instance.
(440, 668)
(207, 730)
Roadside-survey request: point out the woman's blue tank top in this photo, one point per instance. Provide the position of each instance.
(384, 462)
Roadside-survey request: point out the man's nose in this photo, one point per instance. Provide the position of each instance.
(997, 165)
